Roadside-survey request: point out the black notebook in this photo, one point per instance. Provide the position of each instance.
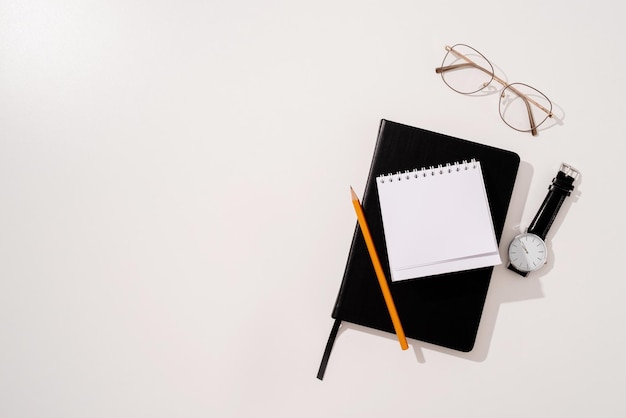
(443, 309)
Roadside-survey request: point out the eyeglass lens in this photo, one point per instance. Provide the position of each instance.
(520, 107)
(465, 70)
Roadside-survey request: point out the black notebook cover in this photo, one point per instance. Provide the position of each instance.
(443, 309)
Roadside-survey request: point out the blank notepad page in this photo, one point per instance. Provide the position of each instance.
(437, 220)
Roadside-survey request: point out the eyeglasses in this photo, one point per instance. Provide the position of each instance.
(467, 71)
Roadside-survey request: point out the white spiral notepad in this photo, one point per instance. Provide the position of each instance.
(437, 220)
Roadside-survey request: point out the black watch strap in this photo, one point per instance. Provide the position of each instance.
(561, 187)
(521, 273)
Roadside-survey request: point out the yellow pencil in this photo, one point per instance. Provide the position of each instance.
(391, 307)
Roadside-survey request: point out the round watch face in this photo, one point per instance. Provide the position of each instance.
(528, 252)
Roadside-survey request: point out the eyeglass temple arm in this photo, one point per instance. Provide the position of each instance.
(452, 67)
(531, 118)
(527, 100)
(471, 63)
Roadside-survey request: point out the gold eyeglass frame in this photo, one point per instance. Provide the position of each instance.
(527, 100)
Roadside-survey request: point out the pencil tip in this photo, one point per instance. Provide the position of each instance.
(354, 196)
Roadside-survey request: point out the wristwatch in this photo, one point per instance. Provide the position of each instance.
(528, 251)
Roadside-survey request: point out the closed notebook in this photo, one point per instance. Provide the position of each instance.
(443, 309)
(437, 220)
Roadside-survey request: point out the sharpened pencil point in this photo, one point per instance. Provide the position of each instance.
(354, 196)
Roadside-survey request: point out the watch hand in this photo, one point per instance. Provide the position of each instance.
(524, 247)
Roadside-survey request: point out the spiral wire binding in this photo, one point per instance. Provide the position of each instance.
(426, 172)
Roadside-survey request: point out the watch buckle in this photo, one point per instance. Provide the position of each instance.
(568, 170)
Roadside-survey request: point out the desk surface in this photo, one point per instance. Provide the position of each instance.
(175, 213)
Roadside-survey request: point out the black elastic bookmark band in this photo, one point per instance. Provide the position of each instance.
(329, 348)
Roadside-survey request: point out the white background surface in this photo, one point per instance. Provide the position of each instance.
(175, 212)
